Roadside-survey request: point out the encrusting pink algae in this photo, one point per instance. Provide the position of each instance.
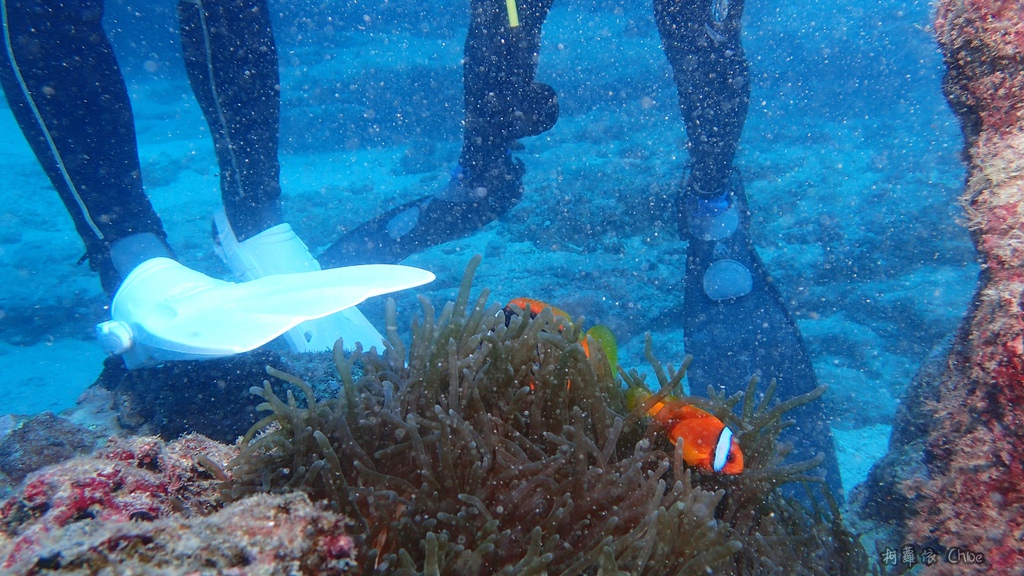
(973, 494)
(141, 505)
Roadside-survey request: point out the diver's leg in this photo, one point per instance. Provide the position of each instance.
(502, 104)
(736, 323)
(231, 61)
(502, 101)
(712, 77)
(67, 94)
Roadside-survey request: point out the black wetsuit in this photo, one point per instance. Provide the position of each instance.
(503, 103)
(68, 95)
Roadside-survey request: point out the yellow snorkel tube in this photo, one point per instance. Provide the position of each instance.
(513, 13)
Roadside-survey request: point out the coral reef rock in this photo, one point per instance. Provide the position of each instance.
(208, 397)
(260, 535)
(140, 506)
(33, 442)
(970, 493)
(138, 479)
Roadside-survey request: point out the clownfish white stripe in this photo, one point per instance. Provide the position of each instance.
(722, 449)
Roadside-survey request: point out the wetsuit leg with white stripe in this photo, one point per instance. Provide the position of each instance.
(67, 94)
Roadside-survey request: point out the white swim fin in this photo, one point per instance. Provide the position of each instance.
(166, 311)
(278, 250)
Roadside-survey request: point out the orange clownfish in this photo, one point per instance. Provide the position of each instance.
(600, 333)
(707, 442)
(532, 307)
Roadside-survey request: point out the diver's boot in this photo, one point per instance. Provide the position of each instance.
(736, 323)
(468, 203)
(714, 221)
(278, 250)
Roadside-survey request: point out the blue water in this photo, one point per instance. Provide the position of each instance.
(850, 158)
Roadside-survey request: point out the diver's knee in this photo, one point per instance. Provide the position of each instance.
(538, 112)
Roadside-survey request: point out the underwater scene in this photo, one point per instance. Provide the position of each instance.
(669, 287)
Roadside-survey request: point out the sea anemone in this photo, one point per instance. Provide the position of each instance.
(486, 448)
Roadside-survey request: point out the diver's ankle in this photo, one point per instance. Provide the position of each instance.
(129, 252)
(276, 250)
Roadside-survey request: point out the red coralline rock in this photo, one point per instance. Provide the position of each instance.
(140, 506)
(37, 441)
(974, 496)
(260, 535)
(138, 479)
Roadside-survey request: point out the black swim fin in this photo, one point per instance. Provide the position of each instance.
(465, 206)
(732, 339)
